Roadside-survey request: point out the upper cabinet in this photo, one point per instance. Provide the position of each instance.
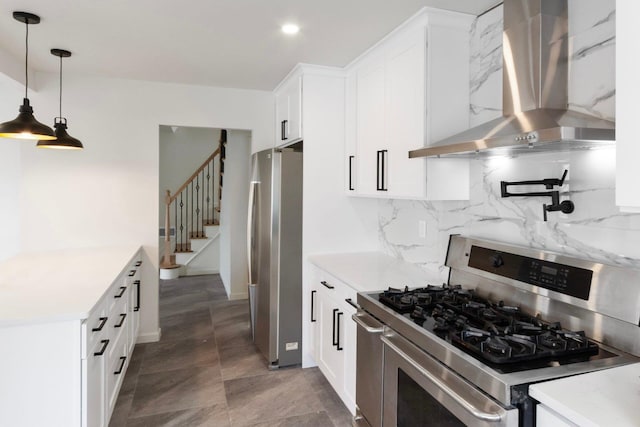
(627, 95)
(289, 110)
(399, 98)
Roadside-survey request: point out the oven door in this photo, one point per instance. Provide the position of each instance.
(420, 391)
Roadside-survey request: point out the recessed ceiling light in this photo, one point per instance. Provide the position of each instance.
(290, 29)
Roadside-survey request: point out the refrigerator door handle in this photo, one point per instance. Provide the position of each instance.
(252, 193)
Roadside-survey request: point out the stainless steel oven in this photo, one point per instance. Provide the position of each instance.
(465, 353)
(420, 391)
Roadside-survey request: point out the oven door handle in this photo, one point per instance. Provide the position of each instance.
(492, 417)
(357, 317)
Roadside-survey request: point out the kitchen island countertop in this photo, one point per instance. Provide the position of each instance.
(610, 397)
(58, 285)
(373, 271)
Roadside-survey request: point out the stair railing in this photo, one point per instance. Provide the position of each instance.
(193, 208)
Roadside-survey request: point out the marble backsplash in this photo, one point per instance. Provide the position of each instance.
(596, 229)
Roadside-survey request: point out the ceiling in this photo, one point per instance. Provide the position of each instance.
(226, 43)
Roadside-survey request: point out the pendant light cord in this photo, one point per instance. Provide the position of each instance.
(60, 106)
(26, 62)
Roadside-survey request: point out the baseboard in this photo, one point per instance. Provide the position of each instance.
(239, 295)
(149, 337)
(200, 272)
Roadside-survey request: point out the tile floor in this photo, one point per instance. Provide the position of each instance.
(205, 371)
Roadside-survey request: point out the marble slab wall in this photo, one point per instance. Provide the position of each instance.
(596, 229)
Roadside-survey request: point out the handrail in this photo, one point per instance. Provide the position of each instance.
(193, 176)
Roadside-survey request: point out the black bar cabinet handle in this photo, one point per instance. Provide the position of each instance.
(138, 264)
(123, 289)
(334, 341)
(378, 170)
(137, 307)
(338, 347)
(383, 169)
(103, 320)
(313, 293)
(351, 303)
(123, 359)
(326, 285)
(105, 343)
(132, 273)
(122, 317)
(351, 173)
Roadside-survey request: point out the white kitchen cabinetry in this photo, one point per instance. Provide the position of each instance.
(410, 89)
(335, 342)
(70, 354)
(546, 417)
(289, 110)
(627, 110)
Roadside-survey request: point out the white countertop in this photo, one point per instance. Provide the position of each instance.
(610, 397)
(373, 271)
(58, 285)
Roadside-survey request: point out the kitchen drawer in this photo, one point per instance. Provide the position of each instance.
(94, 328)
(118, 323)
(117, 363)
(330, 285)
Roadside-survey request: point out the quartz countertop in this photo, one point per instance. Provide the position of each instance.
(373, 271)
(58, 285)
(610, 397)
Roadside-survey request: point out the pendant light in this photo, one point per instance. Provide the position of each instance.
(25, 126)
(63, 139)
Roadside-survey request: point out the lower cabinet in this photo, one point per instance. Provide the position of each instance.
(113, 334)
(71, 366)
(546, 417)
(335, 335)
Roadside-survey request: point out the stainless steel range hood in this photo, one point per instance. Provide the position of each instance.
(535, 92)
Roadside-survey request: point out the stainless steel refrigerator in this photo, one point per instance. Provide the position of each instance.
(275, 254)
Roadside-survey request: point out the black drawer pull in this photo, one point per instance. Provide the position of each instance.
(326, 285)
(123, 359)
(334, 341)
(338, 347)
(351, 303)
(122, 317)
(103, 320)
(137, 307)
(123, 289)
(105, 343)
(381, 155)
(138, 264)
(132, 273)
(313, 293)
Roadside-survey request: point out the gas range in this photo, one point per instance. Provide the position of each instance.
(508, 317)
(498, 334)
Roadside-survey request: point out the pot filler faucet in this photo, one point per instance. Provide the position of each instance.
(565, 206)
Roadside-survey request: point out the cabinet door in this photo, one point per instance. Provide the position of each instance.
(294, 125)
(282, 115)
(331, 358)
(370, 129)
(350, 346)
(405, 114)
(314, 322)
(94, 414)
(289, 112)
(351, 86)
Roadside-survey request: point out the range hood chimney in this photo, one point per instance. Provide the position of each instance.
(535, 117)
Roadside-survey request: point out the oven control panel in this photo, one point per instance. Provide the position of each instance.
(566, 279)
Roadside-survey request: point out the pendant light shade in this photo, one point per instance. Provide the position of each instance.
(25, 126)
(63, 140)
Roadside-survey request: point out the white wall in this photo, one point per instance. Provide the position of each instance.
(10, 170)
(233, 216)
(108, 193)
